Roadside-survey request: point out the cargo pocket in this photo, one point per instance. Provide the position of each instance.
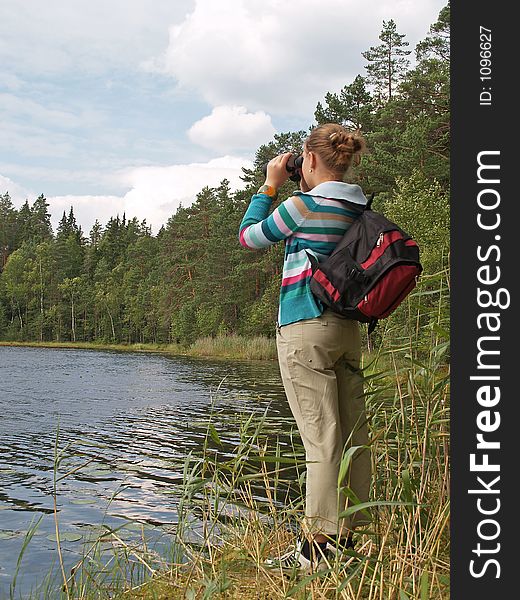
(317, 344)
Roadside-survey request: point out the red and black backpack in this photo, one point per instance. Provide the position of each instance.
(370, 272)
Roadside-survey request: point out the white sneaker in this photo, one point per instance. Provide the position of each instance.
(294, 561)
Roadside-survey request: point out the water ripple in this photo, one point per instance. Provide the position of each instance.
(124, 423)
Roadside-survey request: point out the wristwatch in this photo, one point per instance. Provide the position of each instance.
(269, 190)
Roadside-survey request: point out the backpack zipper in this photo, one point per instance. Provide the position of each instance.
(382, 243)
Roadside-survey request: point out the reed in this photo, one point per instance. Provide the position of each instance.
(249, 505)
(234, 346)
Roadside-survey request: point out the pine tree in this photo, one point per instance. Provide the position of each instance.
(7, 228)
(353, 107)
(112, 244)
(33, 223)
(63, 231)
(412, 131)
(92, 252)
(73, 226)
(95, 234)
(69, 247)
(23, 225)
(41, 220)
(437, 42)
(283, 142)
(387, 62)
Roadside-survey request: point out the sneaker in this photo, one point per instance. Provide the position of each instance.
(295, 561)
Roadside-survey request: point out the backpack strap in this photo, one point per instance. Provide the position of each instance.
(313, 260)
(368, 205)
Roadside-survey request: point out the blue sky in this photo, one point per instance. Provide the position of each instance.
(133, 106)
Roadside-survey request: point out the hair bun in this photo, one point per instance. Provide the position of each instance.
(345, 142)
(336, 138)
(336, 145)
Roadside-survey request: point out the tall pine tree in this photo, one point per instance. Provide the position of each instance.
(387, 62)
(8, 216)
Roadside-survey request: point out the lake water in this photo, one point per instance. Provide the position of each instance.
(135, 416)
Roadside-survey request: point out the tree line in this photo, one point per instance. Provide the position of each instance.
(121, 284)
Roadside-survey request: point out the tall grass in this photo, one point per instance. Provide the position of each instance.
(234, 346)
(249, 505)
(242, 495)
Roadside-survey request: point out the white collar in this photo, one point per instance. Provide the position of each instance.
(339, 190)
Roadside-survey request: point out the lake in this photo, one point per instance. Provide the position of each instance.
(133, 417)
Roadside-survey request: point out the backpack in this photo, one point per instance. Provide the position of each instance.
(370, 272)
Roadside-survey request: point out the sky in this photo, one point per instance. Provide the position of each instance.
(133, 106)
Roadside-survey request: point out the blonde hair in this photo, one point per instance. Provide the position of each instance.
(336, 146)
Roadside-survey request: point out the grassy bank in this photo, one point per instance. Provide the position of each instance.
(402, 555)
(230, 346)
(171, 348)
(238, 508)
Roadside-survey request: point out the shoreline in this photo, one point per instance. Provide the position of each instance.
(97, 346)
(230, 347)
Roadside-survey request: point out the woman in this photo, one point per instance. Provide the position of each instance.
(318, 351)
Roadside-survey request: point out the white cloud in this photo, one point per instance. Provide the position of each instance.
(25, 139)
(83, 36)
(279, 56)
(86, 209)
(57, 176)
(17, 192)
(154, 193)
(65, 128)
(10, 82)
(232, 128)
(158, 191)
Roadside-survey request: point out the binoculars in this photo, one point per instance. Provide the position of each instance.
(293, 166)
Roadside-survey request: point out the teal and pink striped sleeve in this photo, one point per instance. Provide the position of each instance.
(258, 229)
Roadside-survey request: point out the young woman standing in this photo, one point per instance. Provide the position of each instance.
(318, 351)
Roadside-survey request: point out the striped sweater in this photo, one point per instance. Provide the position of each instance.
(312, 222)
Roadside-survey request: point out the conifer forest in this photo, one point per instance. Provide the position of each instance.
(119, 283)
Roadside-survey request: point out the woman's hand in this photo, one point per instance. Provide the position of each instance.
(277, 173)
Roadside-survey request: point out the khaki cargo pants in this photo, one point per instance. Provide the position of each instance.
(319, 361)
